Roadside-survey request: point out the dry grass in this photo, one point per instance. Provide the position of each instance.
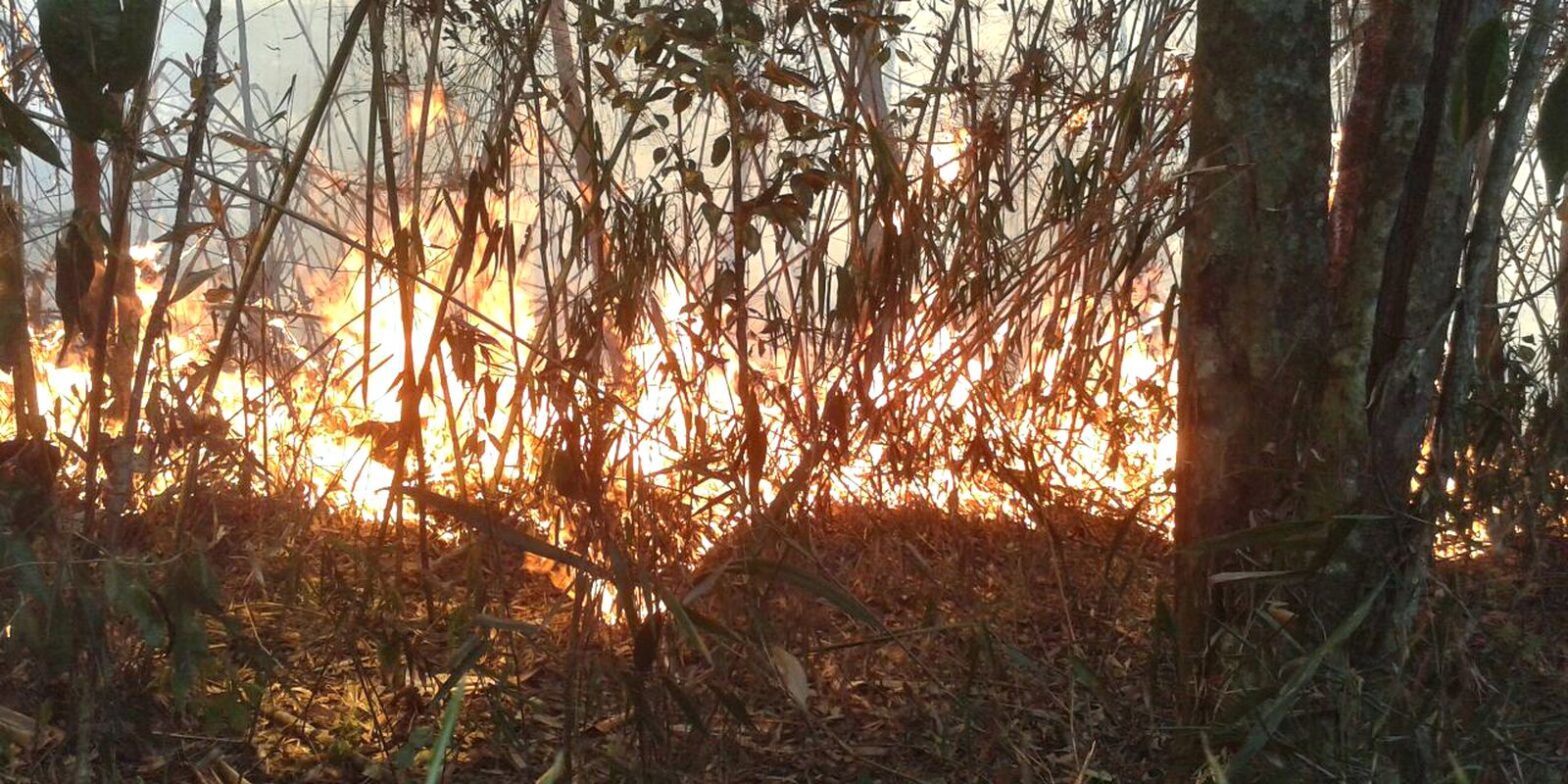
(982, 668)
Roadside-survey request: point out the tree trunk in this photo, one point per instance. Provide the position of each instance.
(574, 108)
(1382, 133)
(87, 198)
(1481, 252)
(1560, 290)
(1271, 425)
(1251, 329)
(1414, 303)
(127, 304)
(16, 343)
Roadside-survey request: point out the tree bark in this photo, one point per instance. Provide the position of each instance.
(1481, 251)
(1379, 140)
(16, 355)
(1257, 241)
(1385, 128)
(1414, 305)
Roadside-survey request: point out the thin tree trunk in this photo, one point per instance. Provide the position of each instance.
(1486, 230)
(87, 200)
(1560, 290)
(127, 305)
(1410, 228)
(17, 350)
(121, 472)
(1414, 304)
(1382, 133)
(1379, 139)
(574, 108)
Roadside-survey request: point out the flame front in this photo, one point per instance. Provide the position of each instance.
(953, 416)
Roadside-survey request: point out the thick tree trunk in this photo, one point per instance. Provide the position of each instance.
(1251, 330)
(1290, 408)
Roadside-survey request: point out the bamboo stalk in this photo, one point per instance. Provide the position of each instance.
(157, 317)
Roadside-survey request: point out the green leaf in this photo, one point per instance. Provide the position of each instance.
(67, 32)
(135, 38)
(187, 650)
(26, 132)
(126, 590)
(1261, 575)
(9, 152)
(464, 659)
(228, 712)
(192, 281)
(732, 705)
(94, 48)
(792, 674)
(15, 340)
(454, 706)
(1085, 677)
(683, 700)
(1164, 619)
(1129, 111)
(684, 622)
(1551, 133)
(1482, 79)
(531, 630)
(419, 739)
(18, 560)
(193, 584)
(1265, 725)
(698, 23)
(183, 231)
(557, 770)
(1268, 535)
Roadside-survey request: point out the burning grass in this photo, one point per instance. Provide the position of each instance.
(729, 422)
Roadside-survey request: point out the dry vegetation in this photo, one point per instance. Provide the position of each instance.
(716, 392)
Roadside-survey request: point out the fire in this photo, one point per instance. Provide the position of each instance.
(956, 415)
(1082, 118)
(947, 154)
(416, 108)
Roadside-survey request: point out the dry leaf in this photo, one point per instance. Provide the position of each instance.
(21, 729)
(793, 674)
(556, 771)
(244, 142)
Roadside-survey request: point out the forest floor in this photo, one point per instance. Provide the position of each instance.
(990, 652)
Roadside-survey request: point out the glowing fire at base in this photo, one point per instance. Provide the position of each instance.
(947, 419)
